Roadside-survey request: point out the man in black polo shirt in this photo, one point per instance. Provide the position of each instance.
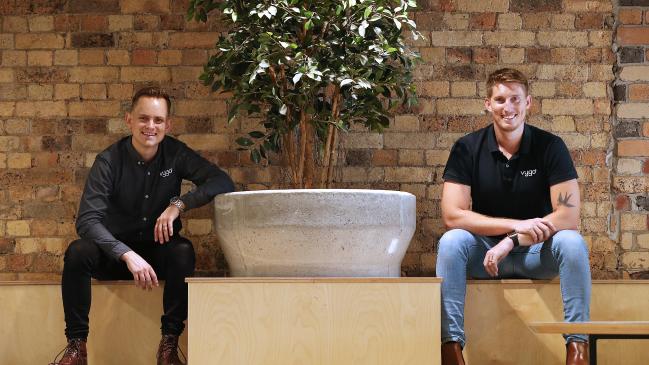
(128, 224)
(511, 200)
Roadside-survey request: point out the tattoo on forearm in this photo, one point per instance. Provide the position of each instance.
(565, 200)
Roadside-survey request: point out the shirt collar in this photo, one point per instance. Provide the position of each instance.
(526, 141)
(135, 156)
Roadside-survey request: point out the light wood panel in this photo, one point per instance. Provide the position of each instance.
(314, 321)
(595, 328)
(124, 324)
(498, 314)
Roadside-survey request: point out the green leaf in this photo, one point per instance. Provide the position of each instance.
(255, 156)
(256, 134)
(233, 113)
(245, 142)
(308, 25)
(368, 11)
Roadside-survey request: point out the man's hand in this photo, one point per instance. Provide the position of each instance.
(539, 229)
(497, 254)
(143, 273)
(164, 225)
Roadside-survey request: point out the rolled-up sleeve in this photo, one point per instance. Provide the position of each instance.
(209, 179)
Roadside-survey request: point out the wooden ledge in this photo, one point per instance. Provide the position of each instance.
(297, 280)
(52, 282)
(593, 327)
(553, 281)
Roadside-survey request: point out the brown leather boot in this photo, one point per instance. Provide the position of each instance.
(75, 353)
(168, 351)
(452, 354)
(577, 353)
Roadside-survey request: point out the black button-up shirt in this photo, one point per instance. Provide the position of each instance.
(124, 195)
(518, 187)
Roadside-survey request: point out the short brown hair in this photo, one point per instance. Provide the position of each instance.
(505, 75)
(152, 92)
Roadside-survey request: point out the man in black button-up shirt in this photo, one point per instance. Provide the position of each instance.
(511, 202)
(128, 222)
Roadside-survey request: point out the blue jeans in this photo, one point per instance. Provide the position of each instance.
(462, 253)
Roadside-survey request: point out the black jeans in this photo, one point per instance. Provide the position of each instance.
(172, 262)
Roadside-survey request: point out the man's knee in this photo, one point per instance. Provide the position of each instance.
(79, 252)
(181, 251)
(570, 245)
(453, 242)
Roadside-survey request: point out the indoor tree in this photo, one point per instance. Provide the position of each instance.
(310, 69)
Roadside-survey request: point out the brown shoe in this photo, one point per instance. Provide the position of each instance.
(577, 353)
(452, 354)
(73, 354)
(168, 351)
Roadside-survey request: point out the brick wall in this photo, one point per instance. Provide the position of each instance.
(631, 134)
(69, 67)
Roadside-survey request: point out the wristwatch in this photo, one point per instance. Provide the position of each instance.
(178, 203)
(514, 237)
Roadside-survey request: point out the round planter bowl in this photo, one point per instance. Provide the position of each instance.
(315, 232)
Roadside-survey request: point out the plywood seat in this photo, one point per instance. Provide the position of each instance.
(597, 330)
(124, 323)
(499, 313)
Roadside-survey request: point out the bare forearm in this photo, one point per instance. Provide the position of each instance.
(562, 219)
(478, 223)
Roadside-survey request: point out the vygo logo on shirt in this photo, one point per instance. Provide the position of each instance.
(528, 173)
(167, 172)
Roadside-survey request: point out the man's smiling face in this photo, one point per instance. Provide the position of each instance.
(148, 122)
(508, 106)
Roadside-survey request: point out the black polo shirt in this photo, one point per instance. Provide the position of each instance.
(517, 188)
(124, 195)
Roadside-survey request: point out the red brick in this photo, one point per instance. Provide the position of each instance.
(482, 21)
(622, 202)
(18, 263)
(458, 55)
(639, 92)
(446, 5)
(645, 129)
(143, 57)
(645, 167)
(630, 16)
(485, 55)
(67, 23)
(146, 22)
(589, 21)
(385, 157)
(150, 6)
(93, 6)
(179, 6)
(534, 6)
(629, 36)
(633, 148)
(94, 23)
(172, 22)
(193, 40)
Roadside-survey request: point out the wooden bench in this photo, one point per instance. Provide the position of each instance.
(618, 330)
(124, 323)
(499, 312)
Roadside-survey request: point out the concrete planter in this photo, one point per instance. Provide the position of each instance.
(315, 232)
